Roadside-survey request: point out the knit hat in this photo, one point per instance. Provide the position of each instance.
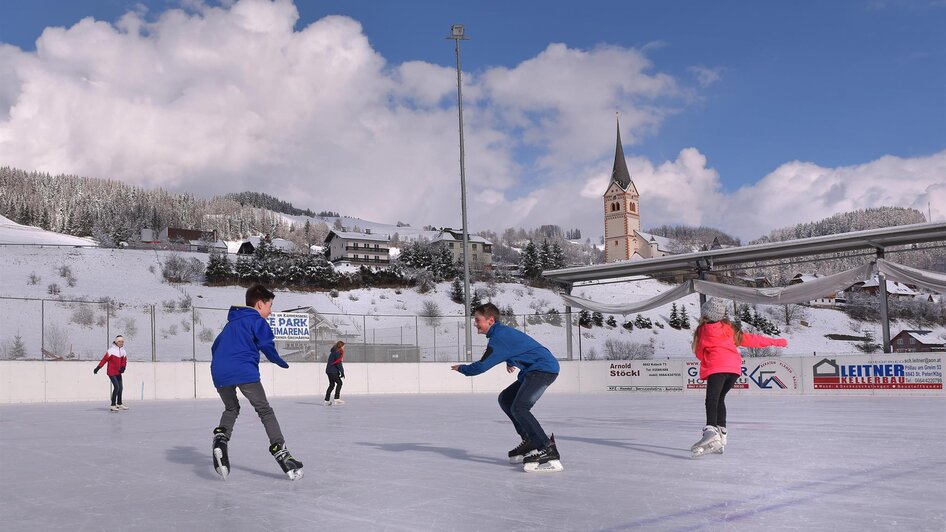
(714, 309)
(119, 337)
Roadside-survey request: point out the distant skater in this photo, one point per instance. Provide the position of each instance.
(538, 369)
(715, 343)
(235, 365)
(335, 372)
(117, 361)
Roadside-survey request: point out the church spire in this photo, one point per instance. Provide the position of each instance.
(620, 173)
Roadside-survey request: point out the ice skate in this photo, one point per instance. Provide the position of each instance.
(328, 402)
(722, 439)
(122, 407)
(544, 461)
(338, 401)
(521, 451)
(219, 449)
(113, 408)
(710, 443)
(289, 465)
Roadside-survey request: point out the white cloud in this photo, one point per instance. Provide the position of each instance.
(219, 99)
(705, 76)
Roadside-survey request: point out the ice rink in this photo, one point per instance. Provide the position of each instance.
(438, 462)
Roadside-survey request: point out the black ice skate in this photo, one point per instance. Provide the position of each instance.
(521, 451)
(544, 461)
(219, 450)
(289, 465)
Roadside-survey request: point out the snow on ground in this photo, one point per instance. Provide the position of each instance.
(133, 278)
(14, 233)
(438, 462)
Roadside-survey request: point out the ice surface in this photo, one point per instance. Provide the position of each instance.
(438, 462)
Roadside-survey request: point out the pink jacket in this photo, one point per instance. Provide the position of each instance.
(716, 348)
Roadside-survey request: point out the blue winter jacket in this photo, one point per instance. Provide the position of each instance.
(515, 348)
(236, 350)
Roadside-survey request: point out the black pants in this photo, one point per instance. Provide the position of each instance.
(334, 383)
(717, 386)
(116, 389)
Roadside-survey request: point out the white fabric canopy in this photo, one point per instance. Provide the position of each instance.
(783, 295)
(786, 295)
(905, 274)
(630, 308)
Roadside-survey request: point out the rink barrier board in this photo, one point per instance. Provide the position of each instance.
(887, 374)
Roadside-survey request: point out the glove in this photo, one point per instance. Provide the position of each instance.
(97, 368)
(122, 370)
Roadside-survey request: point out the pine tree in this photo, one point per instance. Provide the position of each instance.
(529, 263)
(558, 257)
(611, 321)
(219, 268)
(584, 319)
(456, 291)
(545, 256)
(554, 318)
(19, 349)
(475, 300)
(674, 317)
(684, 319)
(597, 318)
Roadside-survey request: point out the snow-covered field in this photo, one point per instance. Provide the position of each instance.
(132, 280)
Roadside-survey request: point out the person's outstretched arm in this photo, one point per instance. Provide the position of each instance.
(266, 342)
(757, 340)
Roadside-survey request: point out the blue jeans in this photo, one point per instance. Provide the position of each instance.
(116, 388)
(517, 401)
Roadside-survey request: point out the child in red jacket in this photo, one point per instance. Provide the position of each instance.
(117, 360)
(715, 343)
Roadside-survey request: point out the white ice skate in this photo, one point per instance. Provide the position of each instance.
(219, 450)
(328, 403)
(113, 408)
(722, 439)
(338, 402)
(708, 444)
(122, 407)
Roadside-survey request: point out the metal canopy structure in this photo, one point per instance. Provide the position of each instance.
(706, 261)
(872, 239)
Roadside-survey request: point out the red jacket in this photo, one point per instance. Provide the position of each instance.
(115, 356)
(716, 348)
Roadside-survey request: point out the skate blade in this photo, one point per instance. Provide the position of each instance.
(518, 459)
(703, 451)
(221, 470)
(294, 474)
(552, 466)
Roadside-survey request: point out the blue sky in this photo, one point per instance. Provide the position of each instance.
(757, 85)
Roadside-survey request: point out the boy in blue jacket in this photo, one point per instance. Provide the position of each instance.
(235, 364)
(537, 370)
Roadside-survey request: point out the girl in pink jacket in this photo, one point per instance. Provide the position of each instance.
(715, 343)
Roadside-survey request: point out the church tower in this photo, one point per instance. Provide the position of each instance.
(622, 218)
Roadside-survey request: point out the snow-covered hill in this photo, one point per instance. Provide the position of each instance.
(133, 278)
(14, 233)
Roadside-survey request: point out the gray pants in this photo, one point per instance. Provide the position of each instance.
(254, 392)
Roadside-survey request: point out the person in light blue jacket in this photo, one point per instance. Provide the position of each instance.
(538, 369)
(235, 365)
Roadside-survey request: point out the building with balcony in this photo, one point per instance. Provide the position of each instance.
(358, 248)
(481, 249)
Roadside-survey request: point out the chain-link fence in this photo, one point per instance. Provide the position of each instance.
(173, 331)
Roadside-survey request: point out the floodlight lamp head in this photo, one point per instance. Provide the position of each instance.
(456, 31)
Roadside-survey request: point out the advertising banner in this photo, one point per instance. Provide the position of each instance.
(644, 376)
(290, 325)
(888, 372)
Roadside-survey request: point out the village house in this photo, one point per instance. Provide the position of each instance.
(481, 249)
(358, 248)
(829, 300)
(916, 341)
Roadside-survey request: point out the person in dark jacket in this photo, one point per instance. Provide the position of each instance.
(537, 370)
(235, 365)
(335, 372)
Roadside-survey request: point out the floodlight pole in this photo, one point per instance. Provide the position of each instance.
(456, 33)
